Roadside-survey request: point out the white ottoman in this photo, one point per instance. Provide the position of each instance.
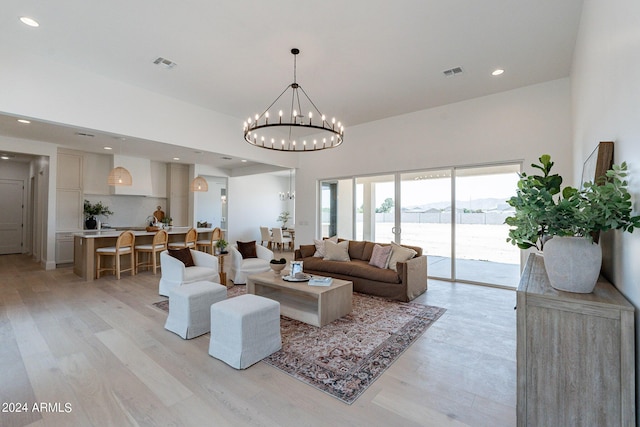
(190, 307)
(244, 330)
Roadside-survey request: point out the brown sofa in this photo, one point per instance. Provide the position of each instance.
(407, 283)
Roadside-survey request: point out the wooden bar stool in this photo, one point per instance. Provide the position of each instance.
(190, 240)
(208, 245)
(158, 245)
(124, 246)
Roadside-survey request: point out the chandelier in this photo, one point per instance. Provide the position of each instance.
(291, 130)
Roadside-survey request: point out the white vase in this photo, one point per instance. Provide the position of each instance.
(572, 263)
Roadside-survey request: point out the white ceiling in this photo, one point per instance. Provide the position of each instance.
(360, 60)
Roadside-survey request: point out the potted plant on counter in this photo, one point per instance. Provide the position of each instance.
(565, 224)
(93, 210)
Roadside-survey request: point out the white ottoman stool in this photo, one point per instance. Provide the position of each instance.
(190, 308)
(244, 330)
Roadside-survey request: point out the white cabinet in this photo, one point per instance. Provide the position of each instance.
(178, 193)
(64, 248)
(140, 170)
(69, 184)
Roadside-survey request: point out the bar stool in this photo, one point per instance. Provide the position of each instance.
(208, 245)
(189, 240)
(158, 245)
(124, 246)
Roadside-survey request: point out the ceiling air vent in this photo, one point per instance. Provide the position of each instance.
(88, 135)
(452, 71)
(165, 62)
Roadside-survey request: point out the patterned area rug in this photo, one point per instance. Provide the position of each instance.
(346, 356)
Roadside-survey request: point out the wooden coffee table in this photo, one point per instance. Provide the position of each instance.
(315, 305)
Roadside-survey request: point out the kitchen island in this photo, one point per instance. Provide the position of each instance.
(86, 243)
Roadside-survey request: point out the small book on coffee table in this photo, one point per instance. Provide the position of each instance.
(320, 281)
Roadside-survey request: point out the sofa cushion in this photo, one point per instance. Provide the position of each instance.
(400, 254)
(356, 248)
(320, 248)
(368, 251)
(336, 251)
(184, 255)
(355, 268)
(380, 256)
(307, 250)
(247, 249)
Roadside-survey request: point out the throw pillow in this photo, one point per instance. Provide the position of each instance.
(320, 245)
(380, 256)
(336, 251)
(183, 255)
(247, 249)
(399, 254)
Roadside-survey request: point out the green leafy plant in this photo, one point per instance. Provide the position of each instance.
(284, 218)
(278, 261)
(222, 244)
(542, 210)
(91, 210)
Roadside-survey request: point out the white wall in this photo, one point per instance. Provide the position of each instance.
(35, 87)
(254, 202)
(521, 124)
(606, 107)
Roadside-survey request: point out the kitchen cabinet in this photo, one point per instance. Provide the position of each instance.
(575, 354)
(64, 248)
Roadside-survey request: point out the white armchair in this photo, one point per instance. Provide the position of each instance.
(174, 273)
(241, 268)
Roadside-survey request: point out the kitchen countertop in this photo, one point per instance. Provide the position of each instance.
(137, 231)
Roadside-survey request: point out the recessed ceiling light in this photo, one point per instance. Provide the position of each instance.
(108, 148)
(29, 21)
(497, 72)
(5, 156)
(176, 158)
(244, 160)
(26, 122)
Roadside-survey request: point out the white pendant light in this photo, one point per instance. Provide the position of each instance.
(199, 184)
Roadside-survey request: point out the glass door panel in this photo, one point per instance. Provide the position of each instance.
(481, 252)
(425, 217)
(375, 212)
(336, 208)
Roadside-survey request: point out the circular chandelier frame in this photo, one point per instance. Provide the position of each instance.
(285, 133)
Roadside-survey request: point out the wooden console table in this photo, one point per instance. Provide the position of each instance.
(575, 354)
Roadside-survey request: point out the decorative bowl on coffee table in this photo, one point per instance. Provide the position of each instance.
(277, 268)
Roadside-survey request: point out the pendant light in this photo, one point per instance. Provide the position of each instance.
(119, 175)
(199, 184)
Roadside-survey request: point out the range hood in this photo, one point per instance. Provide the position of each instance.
(140, 170)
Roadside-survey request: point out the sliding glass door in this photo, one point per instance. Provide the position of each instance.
(425, 217)
(481, 253)
(375, 208)
(456, 215)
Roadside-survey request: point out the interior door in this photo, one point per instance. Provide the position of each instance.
(11, 194)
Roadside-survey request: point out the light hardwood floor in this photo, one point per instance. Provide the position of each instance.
(100, 349)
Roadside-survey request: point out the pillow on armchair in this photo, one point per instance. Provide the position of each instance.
(247, 249)
(183, 255)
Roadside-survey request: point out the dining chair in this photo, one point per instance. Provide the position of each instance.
(278, 239)
(152, 250)
(124, 246)
(208, 245)
(190, 240)
(265, 236)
